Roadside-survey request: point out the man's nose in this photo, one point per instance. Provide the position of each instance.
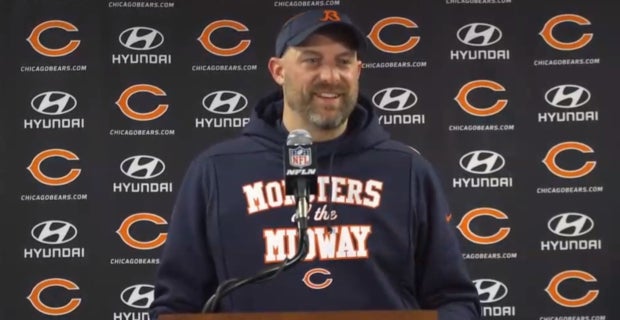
(329, 74)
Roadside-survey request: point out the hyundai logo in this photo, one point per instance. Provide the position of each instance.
(490, 290)
(54, 232)
(570, 224)
(141, 38)
(142, 167)
(394, 99)
(482, 162)
(53, 103)
(138, 296)
(224, 102)
(479, 34)
(567, 96)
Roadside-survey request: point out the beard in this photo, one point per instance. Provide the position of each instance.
(304, 104)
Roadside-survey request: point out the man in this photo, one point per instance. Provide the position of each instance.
(378, 237)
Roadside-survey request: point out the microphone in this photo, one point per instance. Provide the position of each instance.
(301, 182)
(300, 172)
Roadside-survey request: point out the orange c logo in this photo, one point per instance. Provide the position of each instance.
(35, 167)
(123, 231)
(547, 32)
(35, 297)
(549, 160)
(464, 226)
(557, 297)
(35, 41)
(205, 38)
(123, 103)
(317, 286)
(375, 37)
(461, 98)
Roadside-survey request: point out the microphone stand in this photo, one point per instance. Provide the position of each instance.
(301, 216)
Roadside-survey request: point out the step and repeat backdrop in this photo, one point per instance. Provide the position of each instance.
(513, 101)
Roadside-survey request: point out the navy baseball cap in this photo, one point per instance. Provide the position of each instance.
(299, 27)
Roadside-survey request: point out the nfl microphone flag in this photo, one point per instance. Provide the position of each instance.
(300, 162)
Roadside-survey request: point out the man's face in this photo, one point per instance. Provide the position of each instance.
(320, 81)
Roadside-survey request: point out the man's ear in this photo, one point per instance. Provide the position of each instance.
(276, 69)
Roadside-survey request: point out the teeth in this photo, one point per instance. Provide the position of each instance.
(327, 95)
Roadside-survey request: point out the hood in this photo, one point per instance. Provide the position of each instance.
(363, 129)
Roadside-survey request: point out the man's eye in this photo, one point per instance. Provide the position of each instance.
(345, 61)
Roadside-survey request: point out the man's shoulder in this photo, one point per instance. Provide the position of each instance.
(419, 161)
(398, 146)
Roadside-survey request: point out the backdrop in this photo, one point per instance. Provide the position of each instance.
(106, 102)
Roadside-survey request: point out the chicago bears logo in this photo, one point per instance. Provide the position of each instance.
(312, 280)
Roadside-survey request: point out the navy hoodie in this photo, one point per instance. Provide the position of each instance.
(390, 246)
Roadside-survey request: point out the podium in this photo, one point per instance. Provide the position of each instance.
(311, 315)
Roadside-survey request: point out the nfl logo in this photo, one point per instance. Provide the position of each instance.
(300, 157)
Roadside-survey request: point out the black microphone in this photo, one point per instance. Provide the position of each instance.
(300, 181)
(300, 172)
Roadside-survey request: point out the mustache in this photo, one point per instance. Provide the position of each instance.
(338, 88)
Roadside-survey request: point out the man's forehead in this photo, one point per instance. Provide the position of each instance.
(294, 52)
(318, 51)
(320, 42)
